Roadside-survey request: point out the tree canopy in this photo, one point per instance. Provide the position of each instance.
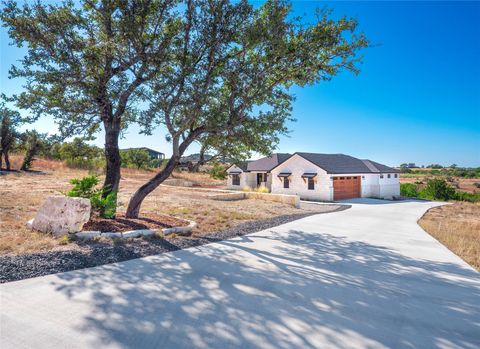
(231, 79)
(87, 63)
(215, 70)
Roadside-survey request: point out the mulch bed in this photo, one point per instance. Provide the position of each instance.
(122, 224)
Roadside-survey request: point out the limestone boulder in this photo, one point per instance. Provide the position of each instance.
(62, 215)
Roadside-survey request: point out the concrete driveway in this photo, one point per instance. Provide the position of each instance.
(366, 277)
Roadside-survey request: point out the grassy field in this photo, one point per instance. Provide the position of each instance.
(23, 193)
(469, 185)
(457, 226)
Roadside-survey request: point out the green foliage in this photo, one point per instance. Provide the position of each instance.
(438, 189)
(454, 172)
(408, 189)
(9, 121)
(79, 154)
(104, 205)
(136, 158)
(84, 187)
(435, 166)
(218, 171)
(33, 142)
(471, 197)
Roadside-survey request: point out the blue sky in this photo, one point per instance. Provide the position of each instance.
(417, 98)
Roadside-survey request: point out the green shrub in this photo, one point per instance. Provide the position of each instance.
(86, 188)
(408, 189)
(471, 197)
(136, 158)
(438, 189)
(218, 171)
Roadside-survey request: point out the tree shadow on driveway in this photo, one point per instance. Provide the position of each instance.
(303, 291)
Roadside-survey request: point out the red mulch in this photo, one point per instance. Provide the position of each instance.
(121, 224)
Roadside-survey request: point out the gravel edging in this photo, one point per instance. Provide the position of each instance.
(94, 253)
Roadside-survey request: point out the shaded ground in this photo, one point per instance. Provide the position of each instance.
(368, 277)
(91, 253)
(457, 226)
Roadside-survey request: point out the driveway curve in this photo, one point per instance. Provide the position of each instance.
(366, 277)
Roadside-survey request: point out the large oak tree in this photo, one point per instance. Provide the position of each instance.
(87, 64)
(232, 75)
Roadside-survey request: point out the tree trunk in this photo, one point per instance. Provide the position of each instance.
(1, 159)
(7, 160)
(112, 157)
(136, 201)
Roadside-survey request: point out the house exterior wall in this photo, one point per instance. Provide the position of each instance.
(389, 186)
(371, 183)
(246, 179)
(297, 166)
(372, 186)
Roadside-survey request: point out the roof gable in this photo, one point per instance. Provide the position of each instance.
(267, 163)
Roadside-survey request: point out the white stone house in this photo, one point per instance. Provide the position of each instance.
(322, 177)
(254, 174)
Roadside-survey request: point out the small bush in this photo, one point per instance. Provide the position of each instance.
(246, 188)
(477, 185)
(408, 189)
(471, 197)
(218, 171)
(262, 189)
(438, 189)
(85, 188)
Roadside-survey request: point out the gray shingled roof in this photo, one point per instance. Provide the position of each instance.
(268, 162)
(341, 163)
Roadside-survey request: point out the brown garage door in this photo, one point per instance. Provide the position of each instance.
(346, 187)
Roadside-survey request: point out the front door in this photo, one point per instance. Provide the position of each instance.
(261, 177)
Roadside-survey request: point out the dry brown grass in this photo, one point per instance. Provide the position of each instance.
(460, 183)
(457, 226)
(21, 194)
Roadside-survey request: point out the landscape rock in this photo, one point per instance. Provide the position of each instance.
(137, 233)
(88, 234)
(61, 215)
(111, 235)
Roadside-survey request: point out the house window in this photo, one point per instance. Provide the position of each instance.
(286, 183)
(388, 176)
(311, 184)
(396, 175)
(381, 176)
(235, 179)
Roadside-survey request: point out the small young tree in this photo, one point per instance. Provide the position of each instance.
(32, 144)
(9, 121)
(233, 72)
